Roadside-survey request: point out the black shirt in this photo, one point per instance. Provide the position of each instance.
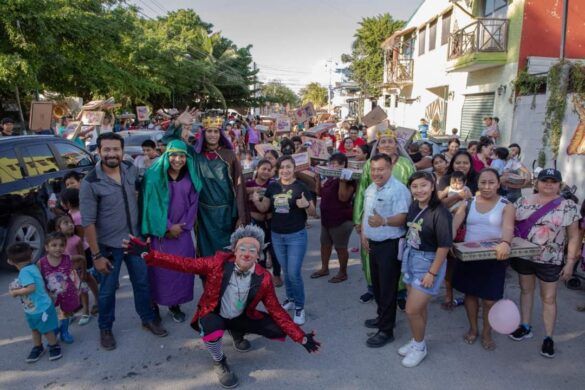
(432, 228)
(286, 216)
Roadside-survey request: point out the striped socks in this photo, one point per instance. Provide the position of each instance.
(215, 349)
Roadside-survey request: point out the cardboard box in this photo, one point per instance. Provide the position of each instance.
(484, 250)
(317, 148)
(283, 124)
(319, 129)
(331, 172)
(405, 136)
(92, 118)
(142, 113)
(304, 113)
(302, 161)
(374, 117)
(262, 148)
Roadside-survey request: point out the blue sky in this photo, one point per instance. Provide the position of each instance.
(292, 40)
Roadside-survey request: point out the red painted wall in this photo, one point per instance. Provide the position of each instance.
(541, 29)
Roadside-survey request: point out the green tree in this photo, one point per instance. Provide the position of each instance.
(276, 92)
(366, 61)
(315, 93)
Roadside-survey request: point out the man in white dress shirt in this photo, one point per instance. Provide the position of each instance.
(385, 207)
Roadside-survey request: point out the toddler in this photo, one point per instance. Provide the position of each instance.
(74, 249)
(61, 281)
(39, 310)
(70, 201)
(457, 186)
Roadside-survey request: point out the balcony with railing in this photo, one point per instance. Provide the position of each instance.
(400, 71)
(481, 44)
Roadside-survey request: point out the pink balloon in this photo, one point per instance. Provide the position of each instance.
(504, 316)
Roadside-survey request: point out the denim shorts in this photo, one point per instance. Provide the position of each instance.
(415, 264)
(44, 322)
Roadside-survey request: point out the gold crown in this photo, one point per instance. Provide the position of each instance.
(212, 122)
(386, 133)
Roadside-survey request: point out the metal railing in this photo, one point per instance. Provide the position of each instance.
(483, 35)
(401, 71)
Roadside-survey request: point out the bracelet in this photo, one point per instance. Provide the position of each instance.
(96, 256)
(434, 275)
(507, 242)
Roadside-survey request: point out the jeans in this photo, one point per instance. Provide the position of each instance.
(290, 250)
(137, 271)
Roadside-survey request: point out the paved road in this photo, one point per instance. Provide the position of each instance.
(179, 361)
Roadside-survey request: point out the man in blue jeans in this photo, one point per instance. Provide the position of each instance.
(109, 212)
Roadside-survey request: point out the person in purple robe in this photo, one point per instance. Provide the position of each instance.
(170, 198)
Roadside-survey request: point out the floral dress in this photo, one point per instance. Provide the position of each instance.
(62, 283)
(549, 232)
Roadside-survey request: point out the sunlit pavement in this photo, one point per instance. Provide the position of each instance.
(143, 361)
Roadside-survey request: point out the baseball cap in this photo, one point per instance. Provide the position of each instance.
(550, 173)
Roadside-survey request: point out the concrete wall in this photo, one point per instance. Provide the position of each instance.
(528, 127)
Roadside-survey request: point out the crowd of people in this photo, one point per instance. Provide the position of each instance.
(184, 209)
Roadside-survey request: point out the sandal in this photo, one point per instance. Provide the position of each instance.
(469, 338)
(488, 345)
(580, 308)
(319, 274)
(94, 310)
(448, 306)
(338, 279)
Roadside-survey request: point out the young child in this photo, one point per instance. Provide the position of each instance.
(73, 179)
(499, 163)
(74, 249)
(70, 201)
(248, 160)
(61, 281)
(457, 186)
(39, 310)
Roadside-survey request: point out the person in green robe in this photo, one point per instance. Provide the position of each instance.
(403, 167)
(222, 205)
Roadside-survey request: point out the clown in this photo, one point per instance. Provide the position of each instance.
(234, 285)
(386, 143)
(170, 191)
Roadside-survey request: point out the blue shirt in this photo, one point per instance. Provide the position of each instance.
(38, 301)
(391, 199)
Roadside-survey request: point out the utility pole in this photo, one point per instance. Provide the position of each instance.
(330, 89)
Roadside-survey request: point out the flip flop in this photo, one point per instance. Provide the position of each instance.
(469, 338)
(580, 308)
(319, 274)
(488, 345)
(338, 279)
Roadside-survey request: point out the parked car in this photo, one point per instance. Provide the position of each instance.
(133, 140)
(32, 168)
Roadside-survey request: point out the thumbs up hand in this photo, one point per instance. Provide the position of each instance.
(376, 220)
(302, 202)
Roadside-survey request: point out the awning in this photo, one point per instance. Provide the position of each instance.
(441, 91)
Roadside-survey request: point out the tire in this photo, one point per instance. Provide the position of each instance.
(24, 228)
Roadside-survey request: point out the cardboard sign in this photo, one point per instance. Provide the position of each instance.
(262, 128)
(302, 161)
(374, 117)
(283, 124)
(304, 113)
(72, 130)
(485, 250)
(405, 136)
(41, 115)
(316, 148)
(92, 118)
(319, 129)
(262, 148)
(142, 113)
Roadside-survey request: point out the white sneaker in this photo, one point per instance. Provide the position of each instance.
(403, 351)
(288, 304)
(299, 317)
(414, 357)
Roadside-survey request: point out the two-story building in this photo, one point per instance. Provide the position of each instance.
(455, 60)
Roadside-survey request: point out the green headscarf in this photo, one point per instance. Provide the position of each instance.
(155, 189)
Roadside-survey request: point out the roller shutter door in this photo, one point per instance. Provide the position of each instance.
(475, 107)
